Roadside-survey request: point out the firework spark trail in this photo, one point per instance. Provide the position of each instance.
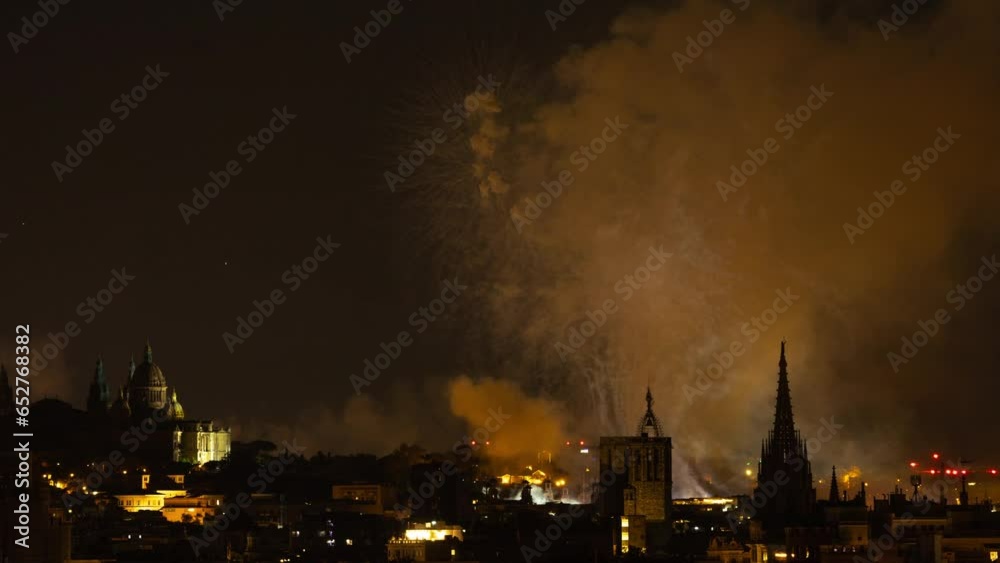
(655, 186)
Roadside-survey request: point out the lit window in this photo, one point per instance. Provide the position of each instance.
(994, 555)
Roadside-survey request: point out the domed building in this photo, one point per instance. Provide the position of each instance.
(146, 394)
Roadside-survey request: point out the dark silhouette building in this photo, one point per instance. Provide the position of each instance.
(784, 475)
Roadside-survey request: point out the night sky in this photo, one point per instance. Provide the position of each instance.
(529, 285)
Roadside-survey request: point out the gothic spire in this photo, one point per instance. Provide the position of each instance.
(131, 367)
(783, 433)
(834, 492)
(649, 422)
(147, 354)
(99, 396)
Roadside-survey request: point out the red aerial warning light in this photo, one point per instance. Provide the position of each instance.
(473, 442)
(964, 472)
(993, 471)
(936, 456)
(913, 464)
(581, 442)
(946, 472)
(933, 472)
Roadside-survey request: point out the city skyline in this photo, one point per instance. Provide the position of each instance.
(373, 224)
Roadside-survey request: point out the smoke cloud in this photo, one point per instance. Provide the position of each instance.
(517, 426)
(782, 229)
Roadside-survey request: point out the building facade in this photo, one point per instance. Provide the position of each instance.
(145, 394)
(636, 481)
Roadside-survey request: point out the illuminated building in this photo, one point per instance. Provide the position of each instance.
(134, 502)
(432, 531)
(429, 541)
(194, 509)
(635, 482)
(199, 441)
(146, 394)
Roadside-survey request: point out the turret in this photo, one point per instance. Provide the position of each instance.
(99, 396)
(834, 492)
(649, 423)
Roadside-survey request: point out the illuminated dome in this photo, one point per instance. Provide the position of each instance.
(176, 410)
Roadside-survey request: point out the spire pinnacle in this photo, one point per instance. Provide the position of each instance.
(147, 353)
(649, 421)
(834, 492)
(99, 395)
(783, 433)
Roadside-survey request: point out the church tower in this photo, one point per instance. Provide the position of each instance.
(99, 396)
(636, 482)
(784, 475)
